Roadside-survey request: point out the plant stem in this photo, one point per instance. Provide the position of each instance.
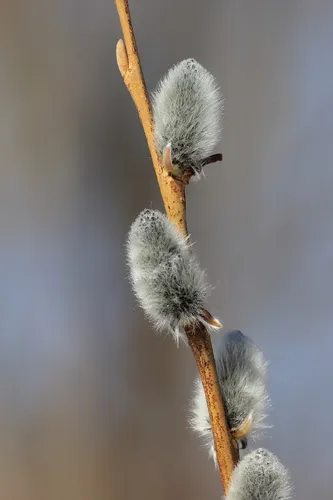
(226, 451)
(173, 195)
(173, 192)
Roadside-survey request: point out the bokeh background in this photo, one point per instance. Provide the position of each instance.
(93, 405)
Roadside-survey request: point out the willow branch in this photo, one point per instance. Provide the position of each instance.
(226, 451)
(173, 192)
(173, 195)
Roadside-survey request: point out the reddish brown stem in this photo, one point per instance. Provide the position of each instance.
(173, 195)
(172, 191)
(225, 447)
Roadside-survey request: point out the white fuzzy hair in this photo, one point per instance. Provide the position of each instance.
(187, 113)
(260, 476)
(241, 370)
(166, 277)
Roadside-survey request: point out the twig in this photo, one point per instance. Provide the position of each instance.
(173, 195)
(226, 451)
(173, 192)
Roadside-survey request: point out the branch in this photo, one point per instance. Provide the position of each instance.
(173, 195)
(226, 451)
(173, 192)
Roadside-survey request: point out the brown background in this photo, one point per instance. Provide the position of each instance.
(92, 404)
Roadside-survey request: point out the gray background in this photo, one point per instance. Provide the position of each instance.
(92, 403)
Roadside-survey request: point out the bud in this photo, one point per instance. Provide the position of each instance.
(260, 476)
(165, 275)
(187, 111)
(241, 370)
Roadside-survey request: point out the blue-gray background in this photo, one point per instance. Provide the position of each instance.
(92, 403)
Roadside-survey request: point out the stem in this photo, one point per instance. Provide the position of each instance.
(226, 451)
(173, 195)
(172, 191)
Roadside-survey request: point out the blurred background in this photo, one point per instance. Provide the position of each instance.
(92, 403)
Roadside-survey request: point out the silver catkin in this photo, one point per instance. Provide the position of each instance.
(187, 113)
(241, 370)
(165, 275)
(260, 476)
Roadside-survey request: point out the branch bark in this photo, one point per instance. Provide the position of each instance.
(173, 195)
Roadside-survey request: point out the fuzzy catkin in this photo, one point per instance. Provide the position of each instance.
(165, 275)
(260, 476)
(241, 370)
(187, 111)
